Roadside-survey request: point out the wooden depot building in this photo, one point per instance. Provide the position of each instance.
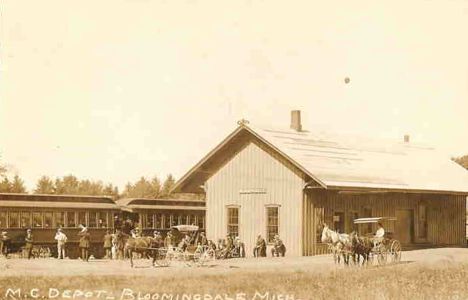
(290, 181)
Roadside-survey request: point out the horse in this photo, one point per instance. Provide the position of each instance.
(339, 243)
(146, 246)
(118, 244)
(361, 247)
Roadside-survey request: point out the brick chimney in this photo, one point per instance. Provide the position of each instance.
(296, 120)
(406, 138)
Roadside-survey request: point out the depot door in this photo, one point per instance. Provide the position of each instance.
(404, 226)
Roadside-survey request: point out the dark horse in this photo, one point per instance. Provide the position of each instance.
(361, 247)
(146, 246)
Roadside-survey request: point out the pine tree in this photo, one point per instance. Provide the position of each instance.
(44, 186)
(71, 185)
(155, 187)
(167, 186)
(5, 185)
(17, 186)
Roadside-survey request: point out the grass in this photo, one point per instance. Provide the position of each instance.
(408, 281)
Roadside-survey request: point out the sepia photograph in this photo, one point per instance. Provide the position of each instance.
(233, 150)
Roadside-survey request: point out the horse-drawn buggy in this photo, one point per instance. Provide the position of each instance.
(370, 247)
(183, 243)
(385, 248)
(188, 245)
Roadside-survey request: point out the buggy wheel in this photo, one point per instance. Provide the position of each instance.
(188, 258)
(382, 258)
(162, 258)
(395, 251)
(382, 255)
(202, 258)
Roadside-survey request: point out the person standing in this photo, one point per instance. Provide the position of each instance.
(84, 243)
(229, 247)
(5, 244)
(61, 239)
(260, 247)
(203, 240)
(157, 239)
(168, 241)
(108, 244)
(29, 239)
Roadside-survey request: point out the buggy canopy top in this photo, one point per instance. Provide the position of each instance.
(186, 228)
(373, 220)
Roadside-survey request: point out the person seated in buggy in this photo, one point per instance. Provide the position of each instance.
(379, 235)
(185, 242)
(278, 247)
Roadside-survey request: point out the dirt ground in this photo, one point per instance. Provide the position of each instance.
(314, 264)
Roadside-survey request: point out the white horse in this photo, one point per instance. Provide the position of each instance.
(336, 242)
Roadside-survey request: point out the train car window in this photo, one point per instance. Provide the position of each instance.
(37, 219)
(14, 219)
(48, 219)
(92, 219)
(3, 219)
(71, 220)
(192, 220)
(102, 219)
(177, 220)
(116, 220)
(59, 219)
(82, 218)
(25, 219)
(201, 222)
(149, 220)
(158, 221)
(167, 221)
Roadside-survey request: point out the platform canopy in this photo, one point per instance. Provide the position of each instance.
(186, 228)
(373, 220)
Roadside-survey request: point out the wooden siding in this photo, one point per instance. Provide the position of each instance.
(445, 215)
(252, 179)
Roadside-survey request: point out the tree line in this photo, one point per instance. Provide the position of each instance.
(71, 185)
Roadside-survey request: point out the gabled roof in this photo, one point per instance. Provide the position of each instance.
(350, 162)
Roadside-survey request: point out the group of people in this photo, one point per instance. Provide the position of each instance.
(278, 248)
(229, 247)
(114, 243)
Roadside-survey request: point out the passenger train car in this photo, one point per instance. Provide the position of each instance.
(161, 214)
(45, 213)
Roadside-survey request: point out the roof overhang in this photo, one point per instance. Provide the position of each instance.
(376, 190)
(133, 208)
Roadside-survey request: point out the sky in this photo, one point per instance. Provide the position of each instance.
(113, 90)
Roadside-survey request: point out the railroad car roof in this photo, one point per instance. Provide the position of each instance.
(56, 201)
(334, 161)
(170, 204)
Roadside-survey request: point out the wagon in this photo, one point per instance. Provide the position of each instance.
(188, 252)
(389, 250)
